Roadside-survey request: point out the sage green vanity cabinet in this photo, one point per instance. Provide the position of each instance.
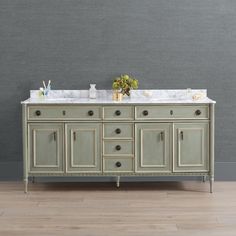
(83, 147)
(191, 147)
(118, 139)
(153, 147)
(45, 147)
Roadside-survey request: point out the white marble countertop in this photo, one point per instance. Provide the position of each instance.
(105, 97)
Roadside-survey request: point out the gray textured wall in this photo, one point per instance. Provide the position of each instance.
(164, 43)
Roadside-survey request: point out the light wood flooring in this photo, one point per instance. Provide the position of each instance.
(140, 209)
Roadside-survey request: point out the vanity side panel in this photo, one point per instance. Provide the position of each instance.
(212, 145)
(25, 146)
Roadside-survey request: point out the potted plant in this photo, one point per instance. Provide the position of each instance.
(122, 86)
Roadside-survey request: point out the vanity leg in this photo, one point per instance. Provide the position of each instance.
(204, 178)
(118, 181)
(26, 185)
(211, 184)
(212, 146)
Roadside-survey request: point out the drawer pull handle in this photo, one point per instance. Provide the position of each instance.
(171, 112)
(64, 113)
(118, 113)
(74, 135)
(145, 112)
(182, 135)
(38, 113)
(55, 136)
(162, 136)
(118, 147)
(198, 112)
(118, 131)
(118, 164)
(90, 113)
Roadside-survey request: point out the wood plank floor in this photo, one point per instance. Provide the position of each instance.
(140, 209)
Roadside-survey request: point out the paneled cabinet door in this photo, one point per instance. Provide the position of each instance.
(191, 153)
(152, 147)
(45, 147)
(83, 147)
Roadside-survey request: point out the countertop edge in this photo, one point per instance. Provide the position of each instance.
(118, 103)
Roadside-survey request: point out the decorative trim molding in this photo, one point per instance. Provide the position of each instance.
(179, 148)
(13, 171)
(142, 130)
(72, 148)
(35, 165)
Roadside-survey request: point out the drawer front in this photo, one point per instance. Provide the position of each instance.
(118, 113)
(118, 164)
(118, 147)
(64, 112)
(118, 130)
(171, 112)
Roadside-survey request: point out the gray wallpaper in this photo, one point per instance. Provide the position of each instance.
(163, 43)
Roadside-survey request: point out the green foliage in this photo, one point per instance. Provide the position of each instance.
(125, 83)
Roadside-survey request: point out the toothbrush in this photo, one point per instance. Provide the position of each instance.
(49, 83)
(44, 85)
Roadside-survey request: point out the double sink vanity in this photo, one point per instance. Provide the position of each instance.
(154, 133)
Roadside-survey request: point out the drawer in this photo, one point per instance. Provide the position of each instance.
(118, 113)
(118, 147)
(118, 130)
(171, 112)
(125, 164)
(64, 112)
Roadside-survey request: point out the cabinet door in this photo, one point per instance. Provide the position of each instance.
(83, 147)
(45, 147)
(153, 147)
(191, 153)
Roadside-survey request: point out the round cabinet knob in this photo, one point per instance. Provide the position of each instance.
(118, 131)
(118, 147)
(118, 113)
(38, 113)
(145, 113)
(198, 112)
(118, 164)
(90, 113)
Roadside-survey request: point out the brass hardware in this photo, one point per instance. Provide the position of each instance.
(74, 135)
(64, 113)
(171, 112)
(198, 112)
(90, 113)
(145, 112)
(118, 147)
(162, 136)
(38, 113)
(182, 135)
(118, 112)
(118, 131)
(54, 135)
(118, 164)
